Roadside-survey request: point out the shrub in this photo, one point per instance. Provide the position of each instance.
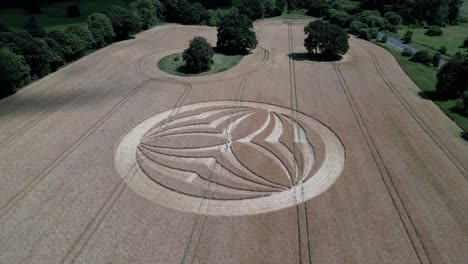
(330, 40)
(406, 53)
(14, 72)
(100, 27)
(436, 59)
(34, 28)
(73, 10)
(408, 37)
(356, 26)
(123, 21)
(383, 39)
(364, 34)
(235, 35)
(371, 18)
(391, 28)
(199, 56)
(422, 56)
(374, 33)
(393, 18)
(465, 43)
(434, 31)
(443, 50)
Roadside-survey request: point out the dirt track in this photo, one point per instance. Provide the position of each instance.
(109, 160)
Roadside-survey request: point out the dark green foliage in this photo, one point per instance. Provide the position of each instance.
(434, 31)
(356, 26)
(408, 37)
(87, 39)
(443, 50)
(146, 10)
(451, 79)
(56, 54)
(317, 8)
(393, 18)
(465, 43)
(436, 59)
(341, 19)
(181, 11)
(271, 9)
(199, 56)
(235, 35)
(391, 28)
(4, 27)
(371, 18)
(73, 10)
(124, 22)
(14, 72)
(160, 10)
(329, 40)
(101, 29)
(34, 28)
(34, 51)
(72, 46)
(422, 56)
(454, 11)
(215, 16)
(252, 9)
(364, 34)
(281, 4)
(383, 39)
(374, 33)
(465, 102)
(406, 53)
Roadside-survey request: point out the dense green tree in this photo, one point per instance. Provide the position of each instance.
(454, 11)
(371, 18)
(215, 16)
(14, 72)
(34, 51)
(184, 12)
(124, 22)
(465, 43)
(73, 10)
(235, 35)
(159, 9)
(451, 78)
(281, 4)
(434, 31)
(422, 56)
(253, 9)
(56, 56)
(83, 34)
(356, 26)
(341, 19)
(100, 27)
(271, 9)
(146, 10)
(408, 37)
(436, 59)
(329, 40)
(393, 18)
(73, 47)
(407, 53)
(199, 56)
(34, 28)
(317, 8)
(465, 102)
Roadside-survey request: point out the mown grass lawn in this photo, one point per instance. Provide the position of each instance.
(425, 78)
(54, 15)
(452, 38)
(174, 64)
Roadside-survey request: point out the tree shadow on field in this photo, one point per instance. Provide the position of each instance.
(304, 56)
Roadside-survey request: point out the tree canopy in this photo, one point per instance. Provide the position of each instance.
(326, 39)
(235, 34)
(199, 56)
(34, 28)
(100, 27)
(146, 10)
(14, 71)
(451, 79)
(123, 21)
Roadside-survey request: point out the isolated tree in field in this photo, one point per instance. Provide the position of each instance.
(451, 78)
(422, 56)
(14, 72)
(199, 56)
(87, 39)
(147, 12)
(73, 10)
(408, 37)
(123, 21)
(235, 35)
(101, 29)
(326, 39)
(34, 28)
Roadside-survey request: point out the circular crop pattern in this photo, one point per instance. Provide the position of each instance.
(230, 158)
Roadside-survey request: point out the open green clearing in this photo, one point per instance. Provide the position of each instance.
(425, 78)
(54, 15)
(174, 64)
(452, 38)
